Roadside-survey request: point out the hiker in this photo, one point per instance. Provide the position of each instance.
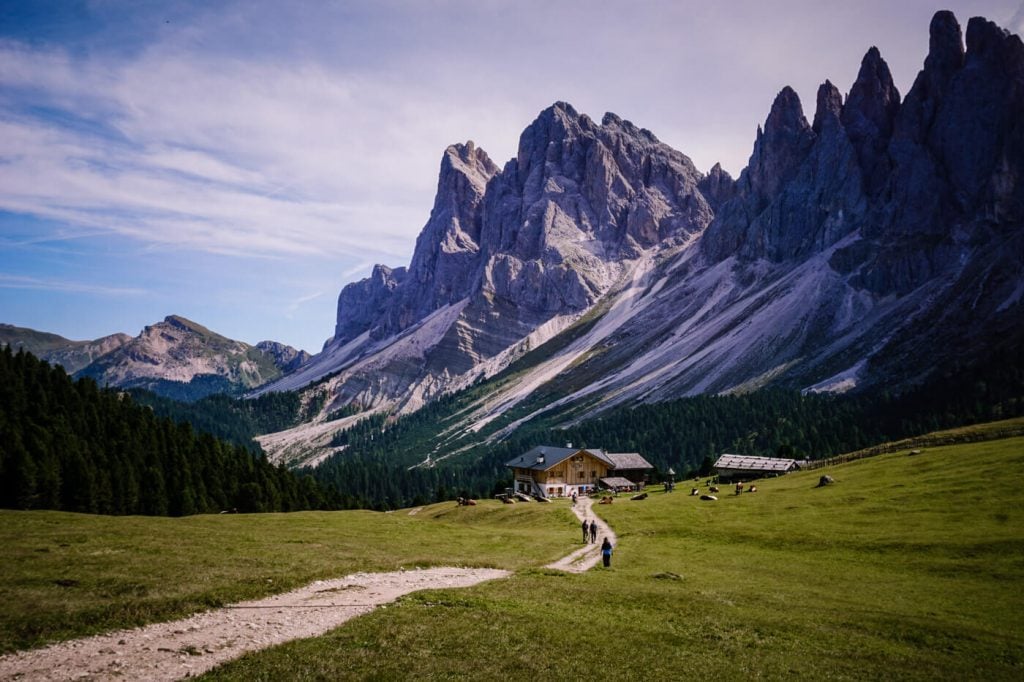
(574, 499)
(606, 553)
(593, 530)
(586, 530)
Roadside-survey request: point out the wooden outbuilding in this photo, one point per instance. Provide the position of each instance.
(745, 468)
(631, 466)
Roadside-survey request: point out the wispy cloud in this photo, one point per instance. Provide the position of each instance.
(272, 137)
(40, 284)
(299, 302)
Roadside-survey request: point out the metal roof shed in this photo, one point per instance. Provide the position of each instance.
(617, 483)
(746, 467)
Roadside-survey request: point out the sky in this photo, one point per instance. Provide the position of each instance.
(238, 163)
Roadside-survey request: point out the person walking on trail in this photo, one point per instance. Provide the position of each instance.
(593, 530)
(606, 553)
(586, 530)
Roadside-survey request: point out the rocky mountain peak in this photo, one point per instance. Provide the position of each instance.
(185, 325)
(360, 303)
(779, 146)
(283, 355)
(613, 121)
(829, 106)
(717, 186)
(468, 160)
(945, 58)
(869, 114)
(945, 43)
(988, 41)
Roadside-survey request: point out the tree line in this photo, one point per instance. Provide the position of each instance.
(379, 462)
(69, 445)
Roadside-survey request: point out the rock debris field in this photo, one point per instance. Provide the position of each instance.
(194, 645)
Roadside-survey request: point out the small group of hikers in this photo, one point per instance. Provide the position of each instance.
(589, 529)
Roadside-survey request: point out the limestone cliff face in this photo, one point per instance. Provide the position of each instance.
(861, 248)
(908, 217)
(444, 263)
(507, 252)
(286, 358)
(578, 200)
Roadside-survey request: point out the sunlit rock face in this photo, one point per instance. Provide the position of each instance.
(862, 247)
(507, 251)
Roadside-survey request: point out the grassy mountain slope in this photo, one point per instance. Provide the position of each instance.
(905, 568)
(55, 349)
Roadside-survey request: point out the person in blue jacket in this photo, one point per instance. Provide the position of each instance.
(606, 553)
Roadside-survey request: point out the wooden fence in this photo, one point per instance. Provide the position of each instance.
(929, 441)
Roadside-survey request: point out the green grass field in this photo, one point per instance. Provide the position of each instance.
(908, 567)
(67, 575)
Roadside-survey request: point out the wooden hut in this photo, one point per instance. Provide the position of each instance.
(745, 468)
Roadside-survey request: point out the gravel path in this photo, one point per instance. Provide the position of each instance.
(193, 645)
(171, 651)
(587, 556)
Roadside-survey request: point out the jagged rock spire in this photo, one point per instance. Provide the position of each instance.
(869, 114)
(945, 44)
(829, 107)
(717, 186)
(780, 146)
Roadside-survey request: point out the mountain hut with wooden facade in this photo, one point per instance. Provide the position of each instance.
(547, 471)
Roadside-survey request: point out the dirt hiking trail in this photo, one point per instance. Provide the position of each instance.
(587, 556)
(194, 645)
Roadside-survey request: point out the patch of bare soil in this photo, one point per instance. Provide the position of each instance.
(587, 556)
(191, 646)
(171, 651)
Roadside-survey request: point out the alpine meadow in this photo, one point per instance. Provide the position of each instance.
(607, 416)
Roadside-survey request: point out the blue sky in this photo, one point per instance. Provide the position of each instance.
(239, 162)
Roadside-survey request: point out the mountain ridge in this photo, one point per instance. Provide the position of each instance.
(854, 251)
(176, 357)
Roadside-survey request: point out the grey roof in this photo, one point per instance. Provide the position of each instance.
(617, 482)
(745, 463)
(629, 460)
(551, 457)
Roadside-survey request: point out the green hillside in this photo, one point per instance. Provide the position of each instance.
(907, 567)
(69, 445)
